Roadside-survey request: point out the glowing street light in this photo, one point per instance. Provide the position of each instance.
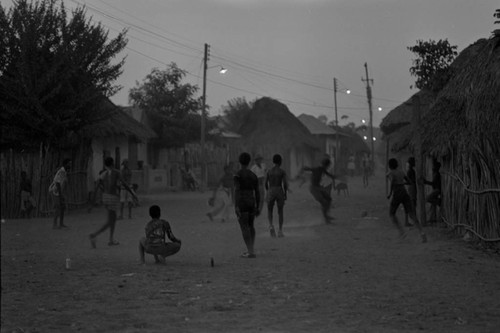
(379, 109)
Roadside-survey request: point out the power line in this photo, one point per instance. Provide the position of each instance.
(242, 66)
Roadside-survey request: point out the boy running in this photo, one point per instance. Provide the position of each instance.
(399, 195)
(276, 187)
(319, 192)
(111, 181)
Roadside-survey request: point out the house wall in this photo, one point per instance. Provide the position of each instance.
(103, 147)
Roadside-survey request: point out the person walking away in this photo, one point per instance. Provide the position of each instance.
(412, 186)
(111, 180)
(326, 181)
(57, 191)
(434, 198)
(155, 241)
(398, 180)
(318, 192)
(246, 202)
(366, 165)
(221, 199)
(351, 166)
(259, 169)
(27, 201)
(277, 187)
(125, 196)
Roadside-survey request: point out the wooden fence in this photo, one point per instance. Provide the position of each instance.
(40, 166)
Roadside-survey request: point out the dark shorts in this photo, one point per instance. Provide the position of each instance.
(58, 203)
(275, 194)
(164, 250)
(401, 197)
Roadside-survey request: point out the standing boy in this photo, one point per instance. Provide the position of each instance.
(276, 187)
(111, 180)
(56, 189)
(246, 202)
(399, 195)
(412, 186)
(155, 241)
(434, 198)
(222, 196)
(319, 192)
(125, 196)
(259, 169)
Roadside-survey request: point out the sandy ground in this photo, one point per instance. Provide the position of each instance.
(354, 276)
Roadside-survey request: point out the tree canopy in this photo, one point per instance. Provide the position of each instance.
(170, 106)
(235, 113)
(55, 71)
(431, 67)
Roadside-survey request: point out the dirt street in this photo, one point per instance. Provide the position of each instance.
(353, 276)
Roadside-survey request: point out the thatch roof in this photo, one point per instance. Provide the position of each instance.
(397, 124)
(467, 109)
(316, 126)
(117, 122)
(270, 122)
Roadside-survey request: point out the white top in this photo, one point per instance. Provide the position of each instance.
(260, 172)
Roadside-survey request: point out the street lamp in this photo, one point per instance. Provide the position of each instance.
(203, 114)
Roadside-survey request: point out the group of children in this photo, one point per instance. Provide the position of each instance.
(244, 189)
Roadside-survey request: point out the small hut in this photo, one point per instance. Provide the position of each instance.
(461, 129)
(270, 128)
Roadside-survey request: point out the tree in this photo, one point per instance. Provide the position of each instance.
(431, 67)
(55, 72)
(170, 105)
(235, 113)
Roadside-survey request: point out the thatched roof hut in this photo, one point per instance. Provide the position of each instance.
(270, 121)
(118, 122)
(270, 128)
(462, 129)
(397, 124)
(467, 109)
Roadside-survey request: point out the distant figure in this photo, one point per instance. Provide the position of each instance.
(27, 201)
(190, 180)
(277, 187)
(125, 196)
(351, 166)
(434, 198)
(56, 189)
(155, 241)
(222, 196)
(246, 202)
(326, 181)
(319, 192)
(366, 165)
(259, 169)
(412, 186)
(111, 180)
(399, 196)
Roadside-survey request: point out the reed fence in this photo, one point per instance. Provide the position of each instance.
(40, 166)
(471, 192)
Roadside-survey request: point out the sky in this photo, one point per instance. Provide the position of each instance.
(289, 50)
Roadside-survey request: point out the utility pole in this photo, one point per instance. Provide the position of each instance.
(336, 125)
(369, 97)
(203, 115)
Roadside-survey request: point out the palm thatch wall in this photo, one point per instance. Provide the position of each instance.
(462, 129)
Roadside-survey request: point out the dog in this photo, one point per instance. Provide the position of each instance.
(342, 187)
